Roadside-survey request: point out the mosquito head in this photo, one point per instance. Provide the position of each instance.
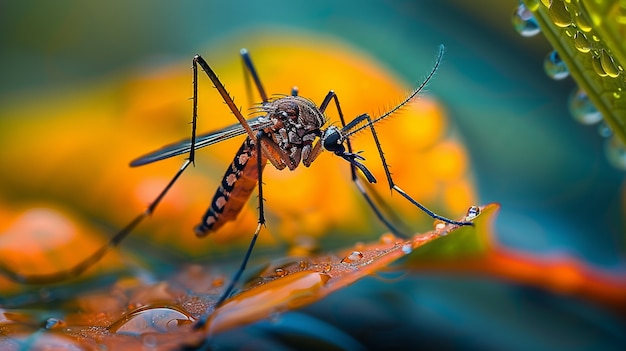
(332, 140)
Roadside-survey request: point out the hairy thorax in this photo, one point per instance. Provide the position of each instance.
(297, 122)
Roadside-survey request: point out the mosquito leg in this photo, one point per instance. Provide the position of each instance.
(97, 256)
(201, 322)
(228, 100)
(392, 185)
(250, 70)
(332, 96)
(119, 237)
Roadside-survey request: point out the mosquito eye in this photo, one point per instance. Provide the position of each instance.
(331, 140)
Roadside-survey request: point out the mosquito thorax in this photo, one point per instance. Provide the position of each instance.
(297, 122)
(332, 140)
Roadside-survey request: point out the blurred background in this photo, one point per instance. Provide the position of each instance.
(559, 194)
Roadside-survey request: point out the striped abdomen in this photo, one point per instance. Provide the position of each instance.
(239, 181)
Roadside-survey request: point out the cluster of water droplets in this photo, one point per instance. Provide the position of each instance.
(577, 26)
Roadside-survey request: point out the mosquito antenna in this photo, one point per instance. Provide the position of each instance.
(347, 130)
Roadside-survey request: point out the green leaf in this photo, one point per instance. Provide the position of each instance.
(589, 38)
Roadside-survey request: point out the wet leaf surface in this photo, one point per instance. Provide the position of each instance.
(129, 314)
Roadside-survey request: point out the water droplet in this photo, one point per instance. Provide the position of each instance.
(582, 22)
(559, 15)
(53, 323)
(555, 67)
(472, 213)
(303, 264)
(606, 60)
(616, 152)
(581, 43)
(407, 248)
(604, 130)
(440, 226)
(150, 319)
(582, 109)
(279, 272)
(387, 238)
(597, 66)
(524, 22)
(327, 268)
(352, 257)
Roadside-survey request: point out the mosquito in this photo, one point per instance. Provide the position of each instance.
(286, 131)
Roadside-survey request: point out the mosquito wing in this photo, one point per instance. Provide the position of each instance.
(203, 140)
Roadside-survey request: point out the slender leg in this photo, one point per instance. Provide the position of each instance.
(201, 322)
(332, 96)
(250, 70)
(392, 184)
(122, 234)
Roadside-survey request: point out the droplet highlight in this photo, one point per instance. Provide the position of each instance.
(387, 238)
(151, 319)
(472, 213)
(608, 65)
(407, 248)
(352, 257)
(51, 323)
(559, 15)
(555, 67)
(582, 109)
(327, 268)
(524, 22)
(597, 66)
(581, 43)
(582, 22)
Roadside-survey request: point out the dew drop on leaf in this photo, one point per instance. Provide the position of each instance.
(151, 319)
(555, 67)
(597, 66)
(582, 22)
(472, 213)
(407, 248)
(352, 257)
(582, 109)
(387, 238)
(581, 43)
(524, 22)
(51, 323)
(327, 268)
(606, 60)
(559, 15)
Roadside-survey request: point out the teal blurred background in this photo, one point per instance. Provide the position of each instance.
(558, 193)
